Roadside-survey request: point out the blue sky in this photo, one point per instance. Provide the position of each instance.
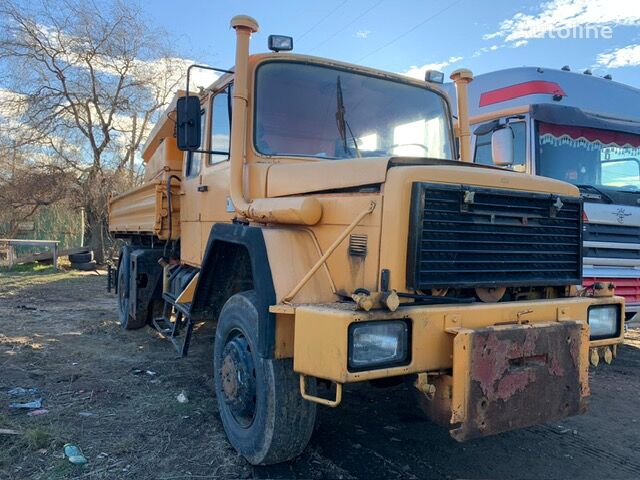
(411, 35)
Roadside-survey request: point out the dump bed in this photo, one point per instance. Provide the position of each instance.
(144, 210)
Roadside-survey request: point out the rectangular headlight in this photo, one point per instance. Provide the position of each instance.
(604, 321)
(378, 344)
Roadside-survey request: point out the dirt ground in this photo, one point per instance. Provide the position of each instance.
(113, 394)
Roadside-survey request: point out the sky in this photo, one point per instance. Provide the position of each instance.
(410, 36)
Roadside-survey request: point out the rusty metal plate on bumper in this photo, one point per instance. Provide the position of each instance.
(515, 376)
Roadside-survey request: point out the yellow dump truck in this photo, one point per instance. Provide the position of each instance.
(321, 215)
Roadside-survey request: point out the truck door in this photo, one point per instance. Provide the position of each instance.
(190, 237)
(215, 204)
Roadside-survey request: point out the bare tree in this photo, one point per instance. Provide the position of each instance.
(90, 78)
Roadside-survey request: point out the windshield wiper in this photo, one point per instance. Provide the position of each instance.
(600, 192)
(343, 125)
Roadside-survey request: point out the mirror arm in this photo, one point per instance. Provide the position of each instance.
(202, 67)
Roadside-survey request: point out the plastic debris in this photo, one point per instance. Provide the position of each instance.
(27, 405)
(21, 392)
(182, 398)
(38, 412)
(74, 454)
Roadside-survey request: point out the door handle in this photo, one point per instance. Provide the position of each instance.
(203, 188)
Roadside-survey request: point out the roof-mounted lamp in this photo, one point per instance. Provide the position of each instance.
(280, 43)
(434, 76)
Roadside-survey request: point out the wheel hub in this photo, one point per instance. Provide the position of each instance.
(238, 380)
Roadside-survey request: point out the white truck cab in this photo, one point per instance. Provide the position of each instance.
(581, 129)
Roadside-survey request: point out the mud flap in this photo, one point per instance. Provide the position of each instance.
(515, 376)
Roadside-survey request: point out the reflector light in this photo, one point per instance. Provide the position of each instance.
(520, 90)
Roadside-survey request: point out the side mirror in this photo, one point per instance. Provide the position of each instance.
(188, 123)
(502, 147)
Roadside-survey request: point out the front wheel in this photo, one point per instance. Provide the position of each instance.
(266, 419)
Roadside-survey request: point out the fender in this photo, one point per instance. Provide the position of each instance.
(252, 239)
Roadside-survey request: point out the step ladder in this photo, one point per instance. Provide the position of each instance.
(175, 324)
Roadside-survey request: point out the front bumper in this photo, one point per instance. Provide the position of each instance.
(491, 367)
(321, 343)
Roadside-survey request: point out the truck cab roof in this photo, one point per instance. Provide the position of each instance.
(520, 87)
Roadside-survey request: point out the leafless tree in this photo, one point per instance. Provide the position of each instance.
(87, 80)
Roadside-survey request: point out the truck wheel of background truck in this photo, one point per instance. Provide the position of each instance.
(265, 417)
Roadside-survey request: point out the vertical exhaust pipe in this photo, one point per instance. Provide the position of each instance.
(462, 78)
(244, 27)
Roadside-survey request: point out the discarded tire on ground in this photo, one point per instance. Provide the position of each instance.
(84, 266)
(265, 417)
(84, 257)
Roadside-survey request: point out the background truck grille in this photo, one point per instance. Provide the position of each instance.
(615, 236)
(462, 236)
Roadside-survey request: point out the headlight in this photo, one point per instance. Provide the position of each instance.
(604, 321)
(378, 344)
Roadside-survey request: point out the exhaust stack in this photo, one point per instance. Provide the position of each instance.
(462, 78)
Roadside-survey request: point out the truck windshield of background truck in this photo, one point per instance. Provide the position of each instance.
(589, 156)
(318, 111)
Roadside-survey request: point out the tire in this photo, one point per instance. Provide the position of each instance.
(84, 266)
(266, 419)
(127, 322)
(81, 257)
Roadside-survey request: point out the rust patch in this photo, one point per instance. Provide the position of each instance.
(494, 368)
(555, 368)
(489, 363)
(512, 383)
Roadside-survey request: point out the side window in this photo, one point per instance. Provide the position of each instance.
(483, 154)
(194, 159)
(220, 126)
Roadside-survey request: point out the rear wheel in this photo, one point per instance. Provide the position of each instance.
(265, 417)
(124, 275)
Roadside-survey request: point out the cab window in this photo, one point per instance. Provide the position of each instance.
(483, 154)
(220, 126)
(194, 159)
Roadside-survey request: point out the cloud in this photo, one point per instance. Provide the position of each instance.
(566, 14)
(628, 56)
(362, 34)
(418, 72)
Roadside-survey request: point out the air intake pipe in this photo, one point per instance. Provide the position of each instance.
(289, 210)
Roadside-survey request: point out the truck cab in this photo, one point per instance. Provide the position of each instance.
(325, 221)
(580, 129)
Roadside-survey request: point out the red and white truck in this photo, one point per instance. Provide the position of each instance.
(579, 128)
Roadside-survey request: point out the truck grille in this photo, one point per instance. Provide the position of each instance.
(463, 236)
(615, 236)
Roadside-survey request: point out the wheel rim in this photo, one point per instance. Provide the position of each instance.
(238, 379)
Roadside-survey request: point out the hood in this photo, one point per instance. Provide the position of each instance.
(285, 179)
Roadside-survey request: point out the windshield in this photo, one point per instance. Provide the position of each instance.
(316, 111)
(589, 156)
